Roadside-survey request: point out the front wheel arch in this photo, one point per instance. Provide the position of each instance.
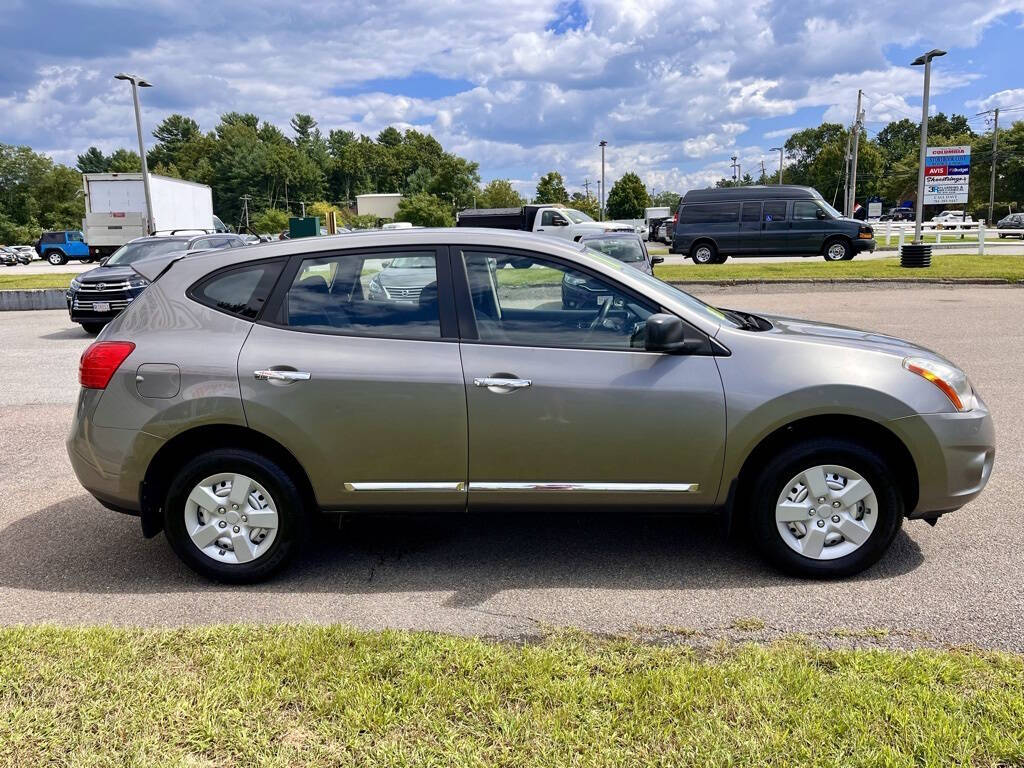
(855, 428)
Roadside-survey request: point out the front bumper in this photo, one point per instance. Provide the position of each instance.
(82, 306)
(954, 454)
(861, 244)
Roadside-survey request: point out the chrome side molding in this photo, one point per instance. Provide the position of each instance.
(459, 487)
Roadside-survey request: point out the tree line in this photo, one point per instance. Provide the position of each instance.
(246, 157)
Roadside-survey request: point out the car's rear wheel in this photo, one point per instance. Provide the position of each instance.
(234, 516)
(704, 253)
(825, 508)
(56, 258)
(837, 250)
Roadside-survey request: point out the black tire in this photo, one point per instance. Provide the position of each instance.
(293, 516)
(776, 473)
(704, 253)
(837, 249)
(849, 256)
(721, 259)
(56, 258)
(93, 328)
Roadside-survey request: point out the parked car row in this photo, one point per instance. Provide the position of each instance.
(247, 390)
(12, 255)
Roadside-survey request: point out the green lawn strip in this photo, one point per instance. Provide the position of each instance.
(32, 282)
(944, 266)
(320, 696)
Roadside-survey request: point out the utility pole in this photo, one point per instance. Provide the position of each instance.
(857, 124)
(245, 204)
(762, 170)
(780, 150)
(995, 147)
(735, 170)
(586, 186)
(602, 144)
(846, 177)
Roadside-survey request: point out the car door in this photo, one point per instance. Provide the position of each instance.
(553, 223)
(775, 234)
(364, 388)
(750, 228)
(810, 227)
(566, 407)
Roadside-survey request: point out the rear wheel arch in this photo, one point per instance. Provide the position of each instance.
(185, 446)
(870, 434)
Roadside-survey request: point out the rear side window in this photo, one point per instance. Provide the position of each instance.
(775, 210)
(710, 213)
(53, 237)
(240, 291)
(751, 212)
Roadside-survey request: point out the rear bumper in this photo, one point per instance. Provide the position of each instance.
(109, 462)
(954, 454)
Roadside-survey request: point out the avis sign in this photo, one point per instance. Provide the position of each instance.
(947, 172)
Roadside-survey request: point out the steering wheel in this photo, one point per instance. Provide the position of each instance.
(599, 318)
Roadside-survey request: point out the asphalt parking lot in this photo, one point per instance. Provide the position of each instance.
(65, 559)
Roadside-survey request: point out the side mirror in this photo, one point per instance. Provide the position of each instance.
(821, 214)
(559, 223)
(657, 259)
(666, 333)
(385, 264)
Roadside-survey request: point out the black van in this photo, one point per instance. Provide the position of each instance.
(778, 220)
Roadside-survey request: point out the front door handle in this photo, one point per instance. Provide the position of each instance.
(502, 384)
(275, 375)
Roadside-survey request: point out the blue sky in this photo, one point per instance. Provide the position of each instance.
(520, 86)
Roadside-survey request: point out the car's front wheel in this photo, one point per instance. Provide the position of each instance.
(234, 516)
(825, 508)
(92, 328)
(838, 250)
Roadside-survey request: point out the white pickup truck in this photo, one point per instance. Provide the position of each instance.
(551, 220)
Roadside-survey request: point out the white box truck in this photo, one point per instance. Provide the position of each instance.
(115, 209)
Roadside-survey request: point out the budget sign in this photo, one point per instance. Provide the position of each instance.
(947, 171)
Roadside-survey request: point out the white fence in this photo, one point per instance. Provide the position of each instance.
(950, 234)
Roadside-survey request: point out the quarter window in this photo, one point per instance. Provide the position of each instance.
(710, 213)
(390, 295)
(775, 210)
(533, 301)
(242, 291)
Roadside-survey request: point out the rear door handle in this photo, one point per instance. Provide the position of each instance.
(275, 375)
(500, 383)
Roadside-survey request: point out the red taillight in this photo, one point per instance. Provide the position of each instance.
(99, 362)
(675, 217)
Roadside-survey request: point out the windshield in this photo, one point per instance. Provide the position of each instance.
(575, 216)
(130, 252)
(412, 262)
(710, 313)
(624, 249)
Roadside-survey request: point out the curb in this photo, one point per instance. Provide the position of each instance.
(840, 284)
(45, 298)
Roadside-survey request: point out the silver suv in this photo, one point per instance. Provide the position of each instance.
(247, 390)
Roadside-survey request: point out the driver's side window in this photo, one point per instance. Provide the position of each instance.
(551, 219)
(530, 300)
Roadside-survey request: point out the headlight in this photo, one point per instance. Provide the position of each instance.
(75, 284)
(573, 280)
(137, 282)
(952, 381)
(376, 289)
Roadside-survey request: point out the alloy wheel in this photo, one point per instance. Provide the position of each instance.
(836, 252)
(826, 512)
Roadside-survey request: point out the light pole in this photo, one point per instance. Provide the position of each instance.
(735, 170)
(137, 82)
(926, 60)
(602, 144)
(779, 150)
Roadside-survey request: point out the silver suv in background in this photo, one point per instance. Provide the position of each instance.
(247, 390)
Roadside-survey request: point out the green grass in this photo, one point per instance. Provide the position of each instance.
(28, 282)
(325, 696)
(945, 266)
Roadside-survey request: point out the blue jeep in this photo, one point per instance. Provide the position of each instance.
(62, 246)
